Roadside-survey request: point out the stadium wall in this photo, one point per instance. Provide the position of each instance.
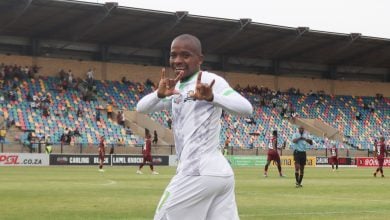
(139, 73)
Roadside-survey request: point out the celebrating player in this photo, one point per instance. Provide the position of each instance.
(273, 155)
(203, 187)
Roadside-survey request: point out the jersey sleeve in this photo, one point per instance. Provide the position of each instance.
(151, 103)
(230, 100)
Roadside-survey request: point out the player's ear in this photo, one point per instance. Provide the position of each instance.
(201, 59)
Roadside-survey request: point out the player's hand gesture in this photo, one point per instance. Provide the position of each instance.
(166, 86)
(203, 91)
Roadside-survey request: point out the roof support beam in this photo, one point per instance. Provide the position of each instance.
(104, 52)
(331, 73)
(352, 38)
(108, 8)
(35, 47)
(275, 67)
(300, 32)
(158, 34)
(18, 15)
(387, 76)
(243, 22)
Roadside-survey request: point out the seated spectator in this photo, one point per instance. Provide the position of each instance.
(97, 115)
(128, 131)
(250, 120)
(358, 116)
(120, 142)
(169, 122)
(76, 132)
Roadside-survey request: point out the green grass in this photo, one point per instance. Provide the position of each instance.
(119, 193)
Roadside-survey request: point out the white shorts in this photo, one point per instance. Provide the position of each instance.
(198, 197)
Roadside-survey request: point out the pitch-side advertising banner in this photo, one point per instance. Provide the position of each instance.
(246, 161)
(115, 159)
(371, 162)
(23, 159)
(288, 161)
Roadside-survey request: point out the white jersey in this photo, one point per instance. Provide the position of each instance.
(197, 123)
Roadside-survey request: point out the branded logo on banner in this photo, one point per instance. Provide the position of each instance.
(247, 161)
(371, 162)
(23, 159)
(288, 161)
(117, 159)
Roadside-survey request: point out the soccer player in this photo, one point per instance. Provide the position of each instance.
(203, 187)
(299, 146)
(334, 157)
(147, 156)
(379, 153)
(102, 153)
(273, 155)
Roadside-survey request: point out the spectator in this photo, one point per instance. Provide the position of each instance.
(109, 110)
(121, 118)
(30, 139)
(97, 115)
(48, 145)
(128, 131)
(155, 137)
(250, 120)
(3, 133)
(169, 122)
(358, 116)
(79, 112)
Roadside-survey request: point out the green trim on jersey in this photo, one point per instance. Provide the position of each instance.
(163, 199)
(166, 99)
(228, 92)
(184, 82)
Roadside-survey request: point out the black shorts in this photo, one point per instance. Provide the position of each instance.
(300, 157)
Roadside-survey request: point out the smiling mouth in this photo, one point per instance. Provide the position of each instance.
(178, 70)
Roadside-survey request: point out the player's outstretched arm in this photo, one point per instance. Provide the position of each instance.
(222, 95)
(160, 99)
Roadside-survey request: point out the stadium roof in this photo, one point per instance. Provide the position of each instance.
(113, 33)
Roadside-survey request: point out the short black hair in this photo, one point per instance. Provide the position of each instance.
(274, 132)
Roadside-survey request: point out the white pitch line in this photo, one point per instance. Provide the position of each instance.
(340, 198)
(311, 213)
(110, 182)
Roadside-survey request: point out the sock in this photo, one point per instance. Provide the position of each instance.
(300, 178)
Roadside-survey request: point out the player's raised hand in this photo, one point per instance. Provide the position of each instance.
(166, 86)
(203, 91)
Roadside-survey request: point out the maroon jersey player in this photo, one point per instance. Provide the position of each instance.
(334, 160)
(146, 153)
(273, 155)
(380, 154)
(102, 153)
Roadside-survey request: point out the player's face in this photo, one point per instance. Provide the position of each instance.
(184, 57)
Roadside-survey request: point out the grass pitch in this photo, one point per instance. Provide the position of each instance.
(119, 193)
